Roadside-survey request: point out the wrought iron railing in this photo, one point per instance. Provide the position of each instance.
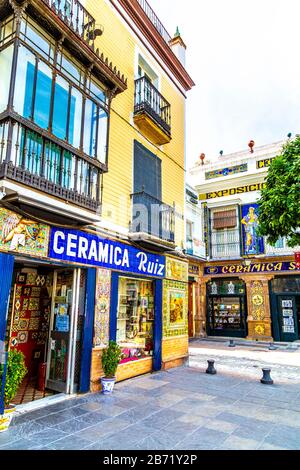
(33, 160)
(148, 99)
(76, 17)
(152, 216)
(155, 21)
(225, 243)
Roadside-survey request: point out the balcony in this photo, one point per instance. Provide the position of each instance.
(152, 112)
(155, 21)
(225, 244)
(153, 222)
(35, 161)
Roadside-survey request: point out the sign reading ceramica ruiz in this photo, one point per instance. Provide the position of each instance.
(21, 235)
(92, 250)
(233, 191)
(253, 268)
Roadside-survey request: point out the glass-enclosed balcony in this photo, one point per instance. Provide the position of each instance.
(152, 217)
(152, 112)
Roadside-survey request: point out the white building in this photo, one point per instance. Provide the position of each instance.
(249, 288)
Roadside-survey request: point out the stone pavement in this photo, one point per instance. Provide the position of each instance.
(182, 409)
(248, 360)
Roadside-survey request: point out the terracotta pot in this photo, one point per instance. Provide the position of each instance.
(6, 418)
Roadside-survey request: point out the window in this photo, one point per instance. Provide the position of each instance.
(225, 233)
(135, 318)
(61, 107)
(224, 219)
(189, 230)
(43, 95)
(5, 67)
(147, 171)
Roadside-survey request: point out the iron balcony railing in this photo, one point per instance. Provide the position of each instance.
(147, 99)
(33, 160)
(152, 216)
(225, 244)
(76, 17)
(155, 21)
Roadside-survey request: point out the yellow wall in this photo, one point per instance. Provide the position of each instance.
(119, 44)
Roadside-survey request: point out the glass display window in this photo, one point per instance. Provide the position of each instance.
(135, 318)
(226, 313)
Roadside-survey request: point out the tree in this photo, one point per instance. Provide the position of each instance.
(279, 206)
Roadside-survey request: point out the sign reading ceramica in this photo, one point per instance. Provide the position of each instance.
(92, 250)
(253, 268)
(233, 191)
(21, 235)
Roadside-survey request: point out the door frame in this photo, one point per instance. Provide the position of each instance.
(69, 384)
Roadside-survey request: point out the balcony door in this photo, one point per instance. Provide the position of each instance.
(63, 331)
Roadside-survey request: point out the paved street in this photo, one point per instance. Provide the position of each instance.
(183, 409)
(248, 360)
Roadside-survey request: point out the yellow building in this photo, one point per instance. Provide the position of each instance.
(92, 189)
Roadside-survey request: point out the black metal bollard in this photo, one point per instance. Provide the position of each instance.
(231, 343)
(266, 379)
(211, 370)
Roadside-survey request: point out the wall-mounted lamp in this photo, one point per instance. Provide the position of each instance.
(98, 31)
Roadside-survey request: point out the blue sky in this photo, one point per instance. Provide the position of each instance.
(244, 59)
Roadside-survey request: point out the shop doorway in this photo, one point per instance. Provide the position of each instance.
(191, 310)
(45, 319)
(285, 308)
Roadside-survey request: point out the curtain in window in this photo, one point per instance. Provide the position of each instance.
(224, 219)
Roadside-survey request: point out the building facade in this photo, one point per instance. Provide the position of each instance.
(195, 251)
(249, 289)
(92, 225)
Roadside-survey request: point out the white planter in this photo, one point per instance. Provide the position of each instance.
(108, 385)
(6, 418)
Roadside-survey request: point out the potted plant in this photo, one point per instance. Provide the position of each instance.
(15, 373)
(111, 357)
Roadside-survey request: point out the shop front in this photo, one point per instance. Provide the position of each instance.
(259, 300)
(226, 308)
(42, 310)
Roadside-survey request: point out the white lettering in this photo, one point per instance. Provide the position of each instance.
(125, 258)
(160, 271)
(103, 253)
(93, 250)
(82, 248)
(118, 251)
(71, 245)
(143, 260)
(56, 249)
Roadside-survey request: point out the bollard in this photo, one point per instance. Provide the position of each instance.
(231, 343)
(266, 379)
(272, 347)
(211, 370)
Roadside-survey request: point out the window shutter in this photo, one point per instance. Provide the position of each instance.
(147, 171)
(224, 219)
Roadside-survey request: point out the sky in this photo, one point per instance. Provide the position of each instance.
(244, 58)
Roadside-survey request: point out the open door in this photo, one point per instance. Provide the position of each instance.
(287, 318)
(63, 331)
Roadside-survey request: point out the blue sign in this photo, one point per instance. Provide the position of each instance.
(92, 250)
(62, 323)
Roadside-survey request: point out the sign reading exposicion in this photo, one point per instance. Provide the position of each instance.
(92, 250)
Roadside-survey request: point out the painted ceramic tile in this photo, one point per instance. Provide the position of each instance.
(22, 235)
(31, 277)
(34, 304)
(34, 323)
(23, 324)
(22, 337)
(35, 291)
(102, 307)
(176, 270)
(175, 317)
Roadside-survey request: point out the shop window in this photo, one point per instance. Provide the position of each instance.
(5, 67)
(289, 284)
(226, 286)
(135, 318)
(226, 313)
